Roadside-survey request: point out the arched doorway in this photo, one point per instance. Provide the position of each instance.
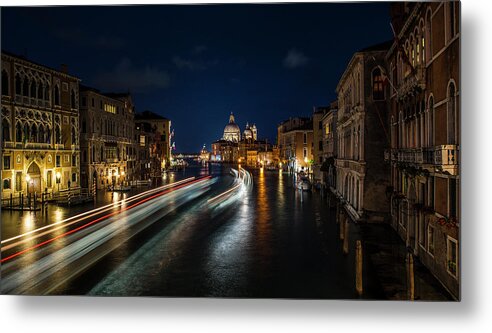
(34, 183)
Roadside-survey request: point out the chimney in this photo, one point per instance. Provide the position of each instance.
(64, 68)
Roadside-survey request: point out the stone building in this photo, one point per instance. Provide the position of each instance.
(362, 176)
(163, 137)
(107, 139)
(40, 128)
(424, 72)
(330, 145)
(318, 113)
(295, 144)
(148, 162)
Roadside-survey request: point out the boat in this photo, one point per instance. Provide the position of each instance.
(304, 184)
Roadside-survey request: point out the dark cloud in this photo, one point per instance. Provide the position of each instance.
(295, 58)
(192, 65)
(125, 76)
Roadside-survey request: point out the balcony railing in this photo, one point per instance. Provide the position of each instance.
(443, 157)
(414, 82)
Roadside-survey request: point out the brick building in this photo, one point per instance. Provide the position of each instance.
(424, 73)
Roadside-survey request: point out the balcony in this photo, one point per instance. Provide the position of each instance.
(442, 158)
(412, 84)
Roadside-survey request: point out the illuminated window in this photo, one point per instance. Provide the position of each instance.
(6, 184)
(377, 84)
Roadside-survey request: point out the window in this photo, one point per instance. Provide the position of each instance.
(431, 121)
(377, 84)
(5, 130)
(57, 134)
(18, 181)
(25, 87)
(5, 83)
(74, 177)
(453, 197)
(142, 140)
(74, 160)
(58, 160)
(49, 179)
(452, 256)
(92, 101)
(74, 136)
(428, 34)
(18, 85)
(56, 94)
(430, 239)
(6, 163)
(452, 114)
(66, 159)
(452, 19)
(33, 89)
(304, 152)
(305, 138)
(72, 100)
(6, 184)
(320, 145)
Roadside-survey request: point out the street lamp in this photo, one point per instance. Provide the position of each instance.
(58, 178)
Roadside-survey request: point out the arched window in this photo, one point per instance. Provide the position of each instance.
(57, 134)
(34, 133)
(40, 90)
(18, 85)
(25, 87)
(56, 94)
(33, 89)
(452, 18)
(74, 136)
(46, 92)
(47, 135)
(5, 83)
(41, 134)
(431, 121)
(452, 114)
(18, 132)
(428, 35)
(72, 100)
(26, 133)
(102, 154)
(377, 84)
(5, 130)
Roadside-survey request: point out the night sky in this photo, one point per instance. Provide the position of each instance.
(194, 64)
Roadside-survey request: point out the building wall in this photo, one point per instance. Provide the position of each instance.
(425, 135)
(40, 128)
(362, 176)
(107, 151)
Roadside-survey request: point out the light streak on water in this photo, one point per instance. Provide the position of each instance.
(77, 218)
(81, 244)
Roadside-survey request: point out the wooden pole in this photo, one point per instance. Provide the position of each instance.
(411, 277)
(345, 237)
(358, 267)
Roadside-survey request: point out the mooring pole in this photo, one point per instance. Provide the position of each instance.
(358, 267)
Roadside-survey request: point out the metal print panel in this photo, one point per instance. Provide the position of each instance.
(252, 151)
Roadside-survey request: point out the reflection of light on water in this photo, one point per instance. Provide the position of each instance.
(58, 213)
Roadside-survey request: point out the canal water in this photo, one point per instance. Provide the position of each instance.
(272, 242)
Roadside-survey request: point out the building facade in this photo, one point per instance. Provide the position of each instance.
(163, 137)
(362, 176)
(107, 139)
(330, 145)
(295, 144)
(40, 128)
(424, 71)
(318, 113)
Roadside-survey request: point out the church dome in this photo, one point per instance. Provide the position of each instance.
(232, 131)
(248, 133)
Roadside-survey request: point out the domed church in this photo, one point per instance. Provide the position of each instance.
(231, 131)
